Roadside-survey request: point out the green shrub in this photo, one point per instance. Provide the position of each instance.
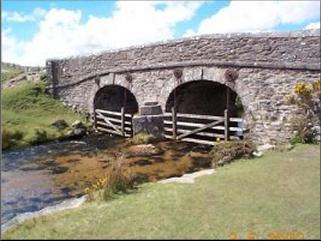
(9, 74)
(304, 128)
(227, 151)
(296, 139)
(307, 98)
(10, 137)
(143, 138)
(40, 136)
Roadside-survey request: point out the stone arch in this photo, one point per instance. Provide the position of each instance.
(101, 82)
(204, 97)
(219, 75)
(114, 97)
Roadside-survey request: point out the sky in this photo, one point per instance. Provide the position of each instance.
(33, 31)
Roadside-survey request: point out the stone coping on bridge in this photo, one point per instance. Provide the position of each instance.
(289, 34)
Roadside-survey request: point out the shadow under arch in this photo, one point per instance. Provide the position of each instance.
(114, 97)
(204, 97)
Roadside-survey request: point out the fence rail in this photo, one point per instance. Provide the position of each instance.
(113, 122)
(203, 129)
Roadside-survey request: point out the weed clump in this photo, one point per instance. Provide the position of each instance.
(117, 180)
(227, 151)
(40, 136)
(305, 125)
(143, 138)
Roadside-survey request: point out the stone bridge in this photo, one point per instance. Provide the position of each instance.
(260, 70)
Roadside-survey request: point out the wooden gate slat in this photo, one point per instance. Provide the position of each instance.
(111, 112)
(121, 128)
(204, 127)
(180, 130)
(105, 124)
(111, 124)
(114, 120)
(111, 131)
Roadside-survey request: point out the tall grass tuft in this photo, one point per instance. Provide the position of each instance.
(227, 151)
(117, 180)
(143, 138)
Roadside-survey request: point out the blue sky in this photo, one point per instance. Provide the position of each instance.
(33, 31)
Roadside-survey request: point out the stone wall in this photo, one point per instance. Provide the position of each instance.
(267, 66)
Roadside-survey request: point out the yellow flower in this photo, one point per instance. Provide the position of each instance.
(303, 89)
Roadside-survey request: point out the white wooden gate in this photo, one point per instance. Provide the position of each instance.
(202, 129)
(113, 122)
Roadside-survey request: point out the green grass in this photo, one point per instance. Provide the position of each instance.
(279, 192)
(9, 73)
(27, 108)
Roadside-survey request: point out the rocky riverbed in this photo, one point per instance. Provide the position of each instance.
(45, 175)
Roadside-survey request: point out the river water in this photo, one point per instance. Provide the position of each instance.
(36, 177)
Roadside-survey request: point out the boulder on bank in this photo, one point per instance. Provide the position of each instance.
(78, 124)
(78, 130)
(60, 124)
(316, 132)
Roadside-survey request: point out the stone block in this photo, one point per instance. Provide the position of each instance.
(152, 124)
(150, 108)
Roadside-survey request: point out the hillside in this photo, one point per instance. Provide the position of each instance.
(27, 115)
(13, 74)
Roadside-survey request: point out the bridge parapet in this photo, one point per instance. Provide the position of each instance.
(267, 65)
(294, 50)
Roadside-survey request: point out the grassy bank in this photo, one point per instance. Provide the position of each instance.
(26, 109)
(9, 72)
(278, 194)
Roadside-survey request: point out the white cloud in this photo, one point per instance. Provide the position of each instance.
(21, 17)
(254, 16)
(189, 33)
(61, 33)
(314, 25)
(11, 48)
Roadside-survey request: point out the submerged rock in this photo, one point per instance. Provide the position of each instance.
(144, 150)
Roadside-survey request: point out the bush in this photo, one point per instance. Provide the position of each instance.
(307, 98)
(40, 136)
(143, 138)
(117, 180)
(304, 132)
(296, 139)
(227, 151)
(10, 137)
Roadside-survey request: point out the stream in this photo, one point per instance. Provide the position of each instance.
(35, 177)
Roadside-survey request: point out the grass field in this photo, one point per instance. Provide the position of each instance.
(277, 194)
(26, 108)
(8, 72)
